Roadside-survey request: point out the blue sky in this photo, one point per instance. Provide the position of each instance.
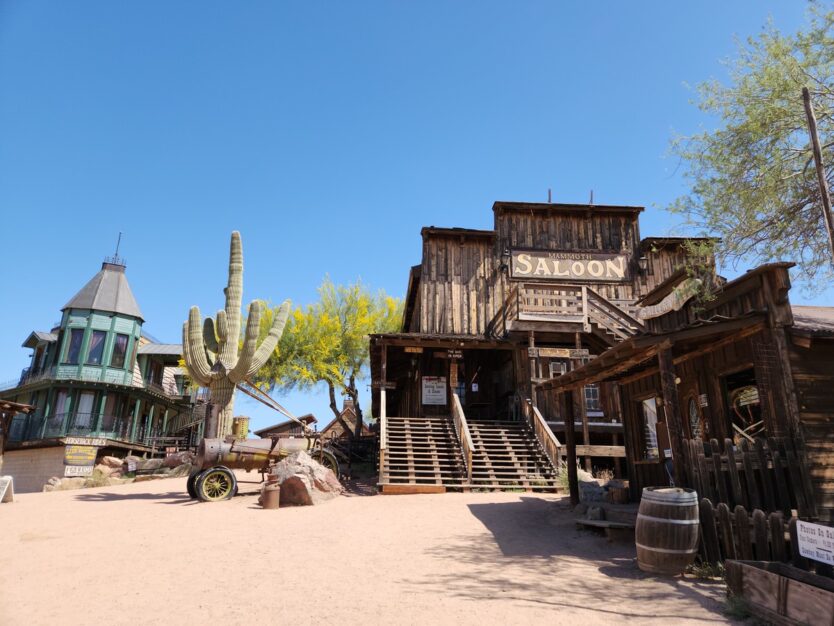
(328, 133)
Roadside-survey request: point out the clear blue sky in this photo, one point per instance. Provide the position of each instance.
(328, 133)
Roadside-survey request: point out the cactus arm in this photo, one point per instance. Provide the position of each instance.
(186, 355)
(271, 341)
(193, 342)
(222, 328)
(210, 337)
(250, 343)
(234, 298)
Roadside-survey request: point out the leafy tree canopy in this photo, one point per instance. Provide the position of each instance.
(753, 182)
(327, 342)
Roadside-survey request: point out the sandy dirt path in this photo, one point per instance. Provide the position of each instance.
(145, 554)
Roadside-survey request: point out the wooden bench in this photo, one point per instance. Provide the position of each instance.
(614, 531)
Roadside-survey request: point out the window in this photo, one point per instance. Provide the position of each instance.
(74, 346)
(649, 408)
(117, 359)
(96, 350)
(592, 401)
(155, 372)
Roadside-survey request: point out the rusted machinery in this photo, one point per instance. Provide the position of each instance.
(213, 478)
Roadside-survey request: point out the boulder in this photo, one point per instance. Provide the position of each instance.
(180, 470)
(591, 491)
(108, 470)
(179, 458)
(304, 481)
(142, 464)
(111, 461)
(64, 484)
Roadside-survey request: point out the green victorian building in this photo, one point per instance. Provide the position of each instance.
(97, 378)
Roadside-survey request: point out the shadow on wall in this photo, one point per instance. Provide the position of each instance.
(534, 554)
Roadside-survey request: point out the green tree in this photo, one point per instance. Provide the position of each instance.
(327, 343)
(753, 183)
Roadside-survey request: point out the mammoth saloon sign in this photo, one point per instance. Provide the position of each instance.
(578, 266)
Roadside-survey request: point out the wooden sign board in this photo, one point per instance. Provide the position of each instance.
(434, 390)
(557, 353)
(569, 266)
(414, 350)
(379, 384)
(85, 441)
(815, 541)
(6, 489)
(80, 455)
(78, 470)
(449, 354)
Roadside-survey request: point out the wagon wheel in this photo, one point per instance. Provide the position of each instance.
(191, 484)
(328, 459)
(215, 484)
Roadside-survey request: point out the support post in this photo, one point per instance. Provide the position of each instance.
(583, 409)
(570, 443)
(534, 366)
(135, 419)
(671, 409)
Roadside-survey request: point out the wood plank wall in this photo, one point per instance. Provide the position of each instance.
(460, 288)
(813, 376)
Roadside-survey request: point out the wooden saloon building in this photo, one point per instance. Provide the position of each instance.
(491, 315)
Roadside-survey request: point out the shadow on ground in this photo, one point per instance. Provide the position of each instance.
(535, 554)
(172, 497)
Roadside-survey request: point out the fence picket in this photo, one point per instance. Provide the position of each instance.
(777, 537)
(749, 478)
(728, 549)
(765, 476)
(709, 534)
(760, 547)
(742, 524)
(732, 468)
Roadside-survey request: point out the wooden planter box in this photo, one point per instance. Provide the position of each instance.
(782, 594)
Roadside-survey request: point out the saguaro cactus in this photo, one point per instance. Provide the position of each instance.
(212, 350)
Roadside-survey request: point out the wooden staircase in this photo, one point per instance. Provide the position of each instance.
(507, 456)
(421, 455)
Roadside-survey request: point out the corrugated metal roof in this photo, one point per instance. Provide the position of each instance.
(818, 320)
(107, 291)
(161, 348)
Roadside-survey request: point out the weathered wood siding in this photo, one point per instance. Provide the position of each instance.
(813, 376)
(459, 285)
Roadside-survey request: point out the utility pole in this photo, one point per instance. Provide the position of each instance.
(823, 183)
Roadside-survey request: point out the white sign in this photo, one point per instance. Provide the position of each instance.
(474, 387)
(816, 541)
(434, 390)
(85, 441)
(6, 489)
(78, 470)
(585, 266)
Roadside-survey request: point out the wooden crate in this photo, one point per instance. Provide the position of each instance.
(782, 594)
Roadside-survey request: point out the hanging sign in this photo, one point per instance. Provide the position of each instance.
(414, 350)
(815, 541)
(558, 353)
(434, 390)
(382, 384)
(449, 354)
(569, 266)
(85, 441)
(80, 455)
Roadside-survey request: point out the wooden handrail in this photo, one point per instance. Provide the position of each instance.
(548, 441)
(464, 435)
(383, 432)
(612, 310)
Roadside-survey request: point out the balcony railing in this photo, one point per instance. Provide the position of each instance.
(34, 426)
(28, 377)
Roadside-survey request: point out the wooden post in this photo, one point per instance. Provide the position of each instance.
(671, 409)
(823, 183)
(583, 410)
(534, 366)
(570, 442)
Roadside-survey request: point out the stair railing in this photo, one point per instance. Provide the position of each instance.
(383, 432)
(609, 316)
(548, 441)
(464, 436)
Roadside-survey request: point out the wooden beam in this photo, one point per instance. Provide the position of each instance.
(583, 410)
(570, 443)
(609, 451)
(671, 408)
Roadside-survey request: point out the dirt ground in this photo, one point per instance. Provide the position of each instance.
(145, 553)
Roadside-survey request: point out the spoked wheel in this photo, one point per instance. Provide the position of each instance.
(328, 459)
(191, 484)
(215, 484)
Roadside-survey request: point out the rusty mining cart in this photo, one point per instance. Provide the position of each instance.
(213, 478)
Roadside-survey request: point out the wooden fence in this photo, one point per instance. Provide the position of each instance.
(770, 475)
(745, 537)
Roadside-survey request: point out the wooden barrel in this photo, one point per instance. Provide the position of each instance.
(240, 427)
(667, 530)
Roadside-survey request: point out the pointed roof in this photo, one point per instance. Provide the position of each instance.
(107, 291)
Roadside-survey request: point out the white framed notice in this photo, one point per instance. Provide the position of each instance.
(434, 390)
(815, 541)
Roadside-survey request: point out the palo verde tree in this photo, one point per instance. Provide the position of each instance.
(753, 182)
(327, 343)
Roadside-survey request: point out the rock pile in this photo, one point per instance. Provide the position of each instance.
(111, 470)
